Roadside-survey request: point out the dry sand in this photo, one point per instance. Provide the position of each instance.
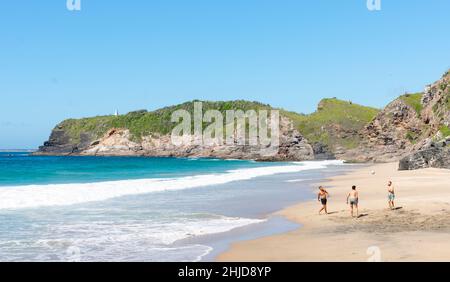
(418, 231)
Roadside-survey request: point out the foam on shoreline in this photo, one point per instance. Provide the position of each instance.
(33, 196)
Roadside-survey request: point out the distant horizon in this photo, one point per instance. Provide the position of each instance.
(17, 150)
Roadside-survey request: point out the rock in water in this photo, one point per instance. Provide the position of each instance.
(436, 157)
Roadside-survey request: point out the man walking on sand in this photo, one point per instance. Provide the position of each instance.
(352, 199)
(322, 197)
(391, 195)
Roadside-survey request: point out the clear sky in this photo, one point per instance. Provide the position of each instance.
(135, 54)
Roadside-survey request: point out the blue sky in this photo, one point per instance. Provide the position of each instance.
(56, 64)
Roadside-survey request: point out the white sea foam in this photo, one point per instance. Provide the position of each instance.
(296, 180)
(158, 233)
(146, 240)
(32, 196)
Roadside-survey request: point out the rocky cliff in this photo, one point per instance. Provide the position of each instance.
(391, 134)
(333, 129)
(293, 147)
(409, 125)
(433, 148)
(145, 133)
(434, 157)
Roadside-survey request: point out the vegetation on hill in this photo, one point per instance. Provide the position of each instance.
(445, 131)
(334, 116)
(414, 101)
(142, 123)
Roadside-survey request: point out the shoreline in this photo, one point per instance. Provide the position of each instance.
(272, 223)
(415, 232)
(133, 217)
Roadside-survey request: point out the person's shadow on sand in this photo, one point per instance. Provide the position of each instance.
(362, 215)
(397, 208)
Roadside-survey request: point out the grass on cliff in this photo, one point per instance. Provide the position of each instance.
(331, 116)
(445, 131)
(414, 101)
(143, 123)
(412, 136)
(95, 126)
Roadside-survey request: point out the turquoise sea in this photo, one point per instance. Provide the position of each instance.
(142, 209)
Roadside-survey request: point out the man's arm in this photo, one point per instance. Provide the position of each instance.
(348, 196)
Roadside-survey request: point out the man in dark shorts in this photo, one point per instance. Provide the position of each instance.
(322, 197)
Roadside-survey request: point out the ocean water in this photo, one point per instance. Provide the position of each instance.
(141, 209)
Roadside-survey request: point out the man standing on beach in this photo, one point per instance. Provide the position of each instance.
(391, 195)
(323, 198)
(352, 199)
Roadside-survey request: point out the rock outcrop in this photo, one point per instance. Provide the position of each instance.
(293, 147)
(409, 128)
(436, 103)
(409, 124)
(429, 158)
(120, 142)
(60, 143)
(333, 129)
(322, 152)
(433, 149)
(390, 135)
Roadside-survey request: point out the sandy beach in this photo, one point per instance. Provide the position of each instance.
(417, 231)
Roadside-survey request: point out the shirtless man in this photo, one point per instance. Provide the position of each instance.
(391, 195)
(322, 197)
(352, 199)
